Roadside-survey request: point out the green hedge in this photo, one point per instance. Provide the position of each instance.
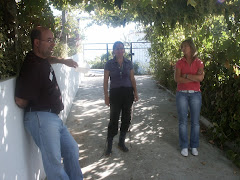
(219, 49)
(16, 22)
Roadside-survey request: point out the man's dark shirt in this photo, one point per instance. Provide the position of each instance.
(37, 84)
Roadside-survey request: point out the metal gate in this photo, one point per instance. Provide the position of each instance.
(137, 52)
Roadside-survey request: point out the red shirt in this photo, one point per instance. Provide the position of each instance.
(189, 69)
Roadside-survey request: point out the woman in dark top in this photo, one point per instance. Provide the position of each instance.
(122, 93)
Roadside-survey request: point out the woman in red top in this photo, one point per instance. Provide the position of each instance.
(189, 73)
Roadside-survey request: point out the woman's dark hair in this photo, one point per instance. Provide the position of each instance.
(193, 48)
(116, 43)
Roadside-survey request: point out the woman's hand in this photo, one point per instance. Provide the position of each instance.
(107, 100)
(135, 97)
(105, 86)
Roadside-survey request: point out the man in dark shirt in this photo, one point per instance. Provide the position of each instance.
(37, 91)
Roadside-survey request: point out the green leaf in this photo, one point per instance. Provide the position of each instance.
(89, 8)
(215, 124)
(192, 3)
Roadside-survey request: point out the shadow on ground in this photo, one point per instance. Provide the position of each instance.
(153, 139)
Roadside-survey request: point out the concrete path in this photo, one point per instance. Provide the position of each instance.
(153, 140)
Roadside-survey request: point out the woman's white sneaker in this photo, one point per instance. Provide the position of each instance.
(194, 151)
(184, 152)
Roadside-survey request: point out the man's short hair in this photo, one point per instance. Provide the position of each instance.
(36, 33)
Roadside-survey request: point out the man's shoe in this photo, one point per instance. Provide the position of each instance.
(194, 151)
(184, 152)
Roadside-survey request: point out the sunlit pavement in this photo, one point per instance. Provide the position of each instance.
(153, 140)
(94, 73)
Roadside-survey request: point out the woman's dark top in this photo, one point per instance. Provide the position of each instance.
(119, 76)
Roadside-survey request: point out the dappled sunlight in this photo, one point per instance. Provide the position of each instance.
(154, 151)
(4, 113)
(147, 108)
(91, 112)
(149, 126)
(37, 175)
(104, 169)
(18, 153)
(89, 103)
(79, 133)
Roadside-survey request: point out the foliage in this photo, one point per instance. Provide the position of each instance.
(213, 25)
(97, 64)
(136, 68)
(16, 23)
(219, 48)
(71, 29)
(100, 62)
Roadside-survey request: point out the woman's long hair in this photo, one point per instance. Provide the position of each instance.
(193, 48)
(115, 46)
(116, 43)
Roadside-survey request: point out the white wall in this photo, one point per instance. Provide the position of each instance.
(20, 158)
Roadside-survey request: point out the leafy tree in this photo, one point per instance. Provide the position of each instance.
(17, 19)
(213, 25)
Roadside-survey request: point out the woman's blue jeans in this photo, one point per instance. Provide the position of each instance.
(191, 102)
(55, 142)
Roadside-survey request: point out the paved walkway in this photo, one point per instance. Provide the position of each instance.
(154, 152)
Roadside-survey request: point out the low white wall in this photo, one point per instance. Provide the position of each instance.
(20, 158)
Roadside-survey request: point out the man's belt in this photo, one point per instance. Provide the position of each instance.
(32, 109)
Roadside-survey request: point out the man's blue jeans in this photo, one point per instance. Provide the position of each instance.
(185, 102)
(55, 142)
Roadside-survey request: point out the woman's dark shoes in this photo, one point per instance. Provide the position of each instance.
(121, 144)
(122, 147)
(109, 147)
(108, 153)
